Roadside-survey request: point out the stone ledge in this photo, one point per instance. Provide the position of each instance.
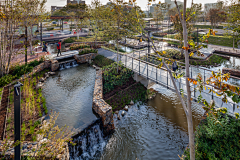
(100, 107)
(85, 57)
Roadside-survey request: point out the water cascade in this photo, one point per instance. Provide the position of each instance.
(89, 143)
(67, 65)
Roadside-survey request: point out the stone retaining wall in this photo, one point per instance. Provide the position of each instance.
(233, 72)
(85, 58)
(100, 107)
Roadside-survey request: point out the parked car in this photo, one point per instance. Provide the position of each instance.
(65, 22)
(54, 22)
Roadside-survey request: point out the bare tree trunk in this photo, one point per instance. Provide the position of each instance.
(31, 40)
(189, 116)
(26, 39)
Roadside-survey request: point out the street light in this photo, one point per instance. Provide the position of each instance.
(17, 120)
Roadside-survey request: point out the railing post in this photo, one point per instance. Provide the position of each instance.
(167, 79)
(212, 93)
(132, 63)
(156, 74)
(204, 76)
(191, 72)
(147, 70)
(139, 62)
(234, 107)
(180, 84)
(194, 92)
(126, 60)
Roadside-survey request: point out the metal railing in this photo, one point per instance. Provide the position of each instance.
(150, 71)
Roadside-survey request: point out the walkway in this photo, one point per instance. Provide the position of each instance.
(161, 76)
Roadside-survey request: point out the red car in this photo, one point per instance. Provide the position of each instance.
(65, 22)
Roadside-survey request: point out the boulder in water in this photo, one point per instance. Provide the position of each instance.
(51, 73)
(131, 103)
(118, 117)
(123, 113)
(116, 112)
(126, 108)
(39, 85)
(42, 79)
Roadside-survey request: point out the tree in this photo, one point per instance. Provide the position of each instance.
(233, 19)
(216, 16)
(78, 12)
(157, 14)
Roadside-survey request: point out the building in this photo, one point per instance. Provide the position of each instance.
(208, 6)
(169, 2)
(75, 2)
(54, 8)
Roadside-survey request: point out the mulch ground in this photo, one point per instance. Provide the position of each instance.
(3, 111)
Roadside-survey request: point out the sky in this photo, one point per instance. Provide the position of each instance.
(141, 3)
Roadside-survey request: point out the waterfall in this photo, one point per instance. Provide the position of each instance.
(89, 143)
(68, 65)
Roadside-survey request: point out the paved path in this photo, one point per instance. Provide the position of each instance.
(161, 76)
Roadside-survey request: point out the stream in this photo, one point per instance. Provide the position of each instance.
(151, 130)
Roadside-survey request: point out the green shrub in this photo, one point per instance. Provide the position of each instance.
(17, 71)
(88, 50)
(113, 78)
(102, 61)
(6, 80)
(217, 139)
(69, 40)
(50, 28)
(79, 46)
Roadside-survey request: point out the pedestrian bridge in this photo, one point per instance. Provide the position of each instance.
(147, 72)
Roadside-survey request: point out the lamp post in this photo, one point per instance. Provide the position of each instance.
(17, 120)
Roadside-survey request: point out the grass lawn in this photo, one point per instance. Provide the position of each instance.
(221, 40)
(207, 26)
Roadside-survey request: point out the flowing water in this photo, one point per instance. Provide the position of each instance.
(70, 93)
(154, 130)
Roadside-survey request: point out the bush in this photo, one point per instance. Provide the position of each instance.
(102, 61)
(50, 28)
(159, 34)
(79, 46)
(69, 40)
(88, 50)
(6, 80)
(113, 78)
(17, 71)
(217, 140)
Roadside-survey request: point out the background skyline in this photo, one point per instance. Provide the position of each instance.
(141, 3)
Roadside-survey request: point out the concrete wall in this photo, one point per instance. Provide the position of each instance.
(146, 82)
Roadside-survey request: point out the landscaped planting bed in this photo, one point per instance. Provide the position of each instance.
(79, 46)
(169, 53)
(87, 50)
(33, 107)
(119, 88)
(17, 71)
(101, 61)
(3, 110)
(217, 138)
(135, 92)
